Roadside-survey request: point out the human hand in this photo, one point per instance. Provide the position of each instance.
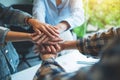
(42, 38)
(62, 26)
(45, 28)
(47, 52)
(51, 49)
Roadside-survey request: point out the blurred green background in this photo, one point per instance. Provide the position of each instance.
(99, 14)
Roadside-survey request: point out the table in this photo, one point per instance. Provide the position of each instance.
(70, 62)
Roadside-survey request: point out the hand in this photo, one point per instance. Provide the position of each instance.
(45, 28)
(51, 49)
(62, 26)
(45, 53)
(42, 38)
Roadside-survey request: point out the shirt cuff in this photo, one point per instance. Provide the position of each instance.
(54, 65)
(3, 33)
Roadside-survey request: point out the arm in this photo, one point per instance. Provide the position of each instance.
(90, 45)
(93, 44)
(51, 70)
(18, 36)
(39, 10)
(12, 16)
(76, 17)
(7, 35)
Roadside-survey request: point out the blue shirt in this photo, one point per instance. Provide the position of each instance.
(8, 56)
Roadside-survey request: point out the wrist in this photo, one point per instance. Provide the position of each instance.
(49, 60)
(69, 45)
(63, 26)
(47, 56)
(29, 37)
(27, 20)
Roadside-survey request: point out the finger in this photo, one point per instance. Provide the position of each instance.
(33, 34)
(40, 40)
(47, 32)
(53, 42)
(53, 31)
(53, 28)
(49, 41)
(53, 50)
(58, 48)
(37, 30)
(37, 37)
(48, 49)
(56, 39)
(45, 40)
(43, 48)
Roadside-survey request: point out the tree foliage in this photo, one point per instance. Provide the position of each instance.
(103, 12)
(99, 13)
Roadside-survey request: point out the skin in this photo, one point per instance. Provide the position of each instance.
(18, 36)
(67, 45)
(47, 29)
(34, 37)
(45, 54)
(54, 47)
(61, 27)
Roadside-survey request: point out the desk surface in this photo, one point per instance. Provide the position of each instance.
(70, 62)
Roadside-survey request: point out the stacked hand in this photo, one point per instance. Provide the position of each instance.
(45, 37)
(42, 27)
(48, 50)
(46, 46)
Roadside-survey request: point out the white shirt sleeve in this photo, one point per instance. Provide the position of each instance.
(76, 17)
(3, 33)
(39, 10)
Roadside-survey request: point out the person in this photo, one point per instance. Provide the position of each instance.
(104, 45)
(64, 15)
(8, 56)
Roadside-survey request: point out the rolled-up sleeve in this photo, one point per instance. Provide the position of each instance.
(14, 16)
(93, 43)
(76, 17)
(3, 32)
(39, 10)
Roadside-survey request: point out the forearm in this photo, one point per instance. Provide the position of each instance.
(76, 17)
(17, 36)
(93, 44)
(70, 45)
(62, 26)
(38, 7)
